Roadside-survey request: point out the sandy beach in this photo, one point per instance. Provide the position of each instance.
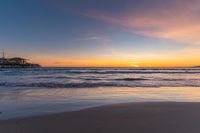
(156, 117)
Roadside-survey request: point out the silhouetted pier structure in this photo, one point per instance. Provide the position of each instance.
(16, 62)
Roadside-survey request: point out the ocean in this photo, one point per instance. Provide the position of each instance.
(37, 91)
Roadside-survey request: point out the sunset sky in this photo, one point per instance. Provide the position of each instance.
(102, 33)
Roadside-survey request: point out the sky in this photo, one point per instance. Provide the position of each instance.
(102, 33)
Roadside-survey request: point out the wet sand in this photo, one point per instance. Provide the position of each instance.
(156, 117)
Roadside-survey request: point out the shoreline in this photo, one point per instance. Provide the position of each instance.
(140, 117)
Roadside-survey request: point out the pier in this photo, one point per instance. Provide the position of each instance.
(15, 62)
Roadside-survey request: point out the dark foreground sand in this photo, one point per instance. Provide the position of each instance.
(163, 117)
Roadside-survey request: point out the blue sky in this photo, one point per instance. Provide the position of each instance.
(77, 32)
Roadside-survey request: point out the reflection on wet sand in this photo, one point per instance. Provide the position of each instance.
(32, 101)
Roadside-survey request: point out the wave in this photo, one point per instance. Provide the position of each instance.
(61, 85)
(99, 84)
(130, 79)
(133, 72)
(52, 77)
(95, 79)
(55, 71)
(117, 79)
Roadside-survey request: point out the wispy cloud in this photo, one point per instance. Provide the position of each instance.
(180, 21)
(96, 37)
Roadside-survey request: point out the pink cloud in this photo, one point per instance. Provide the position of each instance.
(180, 22)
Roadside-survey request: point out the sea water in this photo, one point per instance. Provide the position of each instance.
(37, 91)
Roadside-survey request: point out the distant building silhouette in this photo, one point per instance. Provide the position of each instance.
(16, 62)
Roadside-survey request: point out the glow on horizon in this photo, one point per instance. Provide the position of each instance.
(162, 62)
(184, 58)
